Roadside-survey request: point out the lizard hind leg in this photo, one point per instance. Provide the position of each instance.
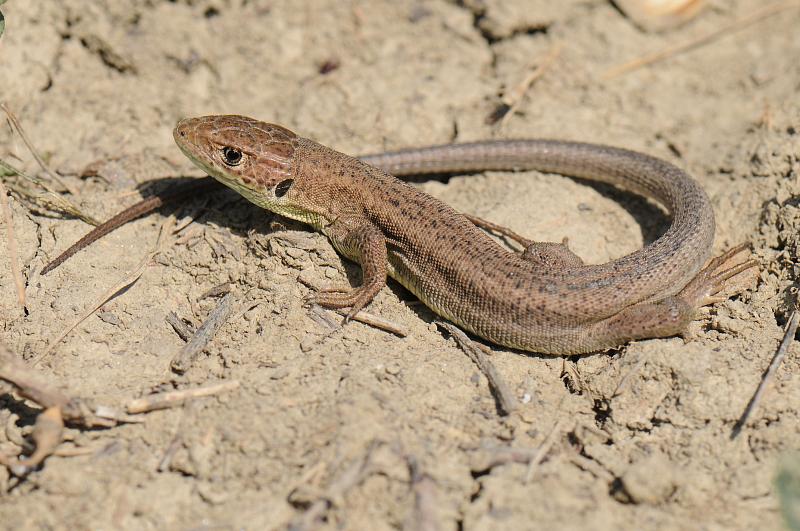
(552, 255)
(546, 254)
(723, 276)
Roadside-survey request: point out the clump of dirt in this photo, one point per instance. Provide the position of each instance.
(776, 156)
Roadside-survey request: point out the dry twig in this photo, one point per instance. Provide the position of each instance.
(59, 408)
(376, 322)
(184, 359)
(354, 474)
(127, 280)
(701, 40)
(624, 380)
(123, 283)
(788, 337)
(513, 98)
(176, 398)
(47, 433)
(13, 256)
(423, 517)
(27, 382)
(21, 132)
(486, 459)
(49, 199)
(533, 466)
(184, 330)
(29, 385)
(77, 451)
(505, 397)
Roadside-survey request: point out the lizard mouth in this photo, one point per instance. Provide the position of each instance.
(253, 158)
(195, 146)
(195, 138)
(185, 137)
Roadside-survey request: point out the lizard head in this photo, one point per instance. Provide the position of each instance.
(254, 158)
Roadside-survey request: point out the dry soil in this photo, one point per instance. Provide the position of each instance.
(363, 428)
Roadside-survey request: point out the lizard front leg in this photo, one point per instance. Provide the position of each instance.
(366, 245)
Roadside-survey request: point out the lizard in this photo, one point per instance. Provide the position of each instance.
(543, 300)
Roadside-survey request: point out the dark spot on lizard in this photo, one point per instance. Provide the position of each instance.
(283, 187)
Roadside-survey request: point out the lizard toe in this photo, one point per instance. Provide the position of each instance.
(725, 276)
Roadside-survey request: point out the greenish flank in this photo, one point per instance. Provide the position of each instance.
(787, 483)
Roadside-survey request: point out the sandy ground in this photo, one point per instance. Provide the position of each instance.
(364, 428)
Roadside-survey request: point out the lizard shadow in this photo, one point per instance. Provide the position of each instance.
(651, 218)
(226, 208)
(217, 208)
(26, 415)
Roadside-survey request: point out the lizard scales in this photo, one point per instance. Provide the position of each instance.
(544, 300)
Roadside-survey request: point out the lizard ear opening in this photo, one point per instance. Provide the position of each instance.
(283, 187)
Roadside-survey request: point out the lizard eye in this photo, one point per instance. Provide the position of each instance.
(231, 157)
(283, 187)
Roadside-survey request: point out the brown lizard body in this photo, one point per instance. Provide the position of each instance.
(543, 300)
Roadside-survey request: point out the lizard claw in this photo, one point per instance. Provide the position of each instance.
(355, 299)
(723, 277)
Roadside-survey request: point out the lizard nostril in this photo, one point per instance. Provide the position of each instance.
(183, 133)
